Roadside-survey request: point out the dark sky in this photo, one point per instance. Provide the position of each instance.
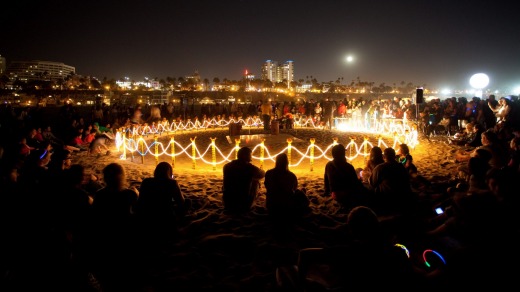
(439, 43)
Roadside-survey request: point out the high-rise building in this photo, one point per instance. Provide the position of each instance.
(38, 70)
(288, 72)
(270, 70)
(278, 73)
(3, 65)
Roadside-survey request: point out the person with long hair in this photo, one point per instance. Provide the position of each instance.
(161, 203)
(283, 197)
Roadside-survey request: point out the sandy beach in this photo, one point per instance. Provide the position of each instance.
(218, 251)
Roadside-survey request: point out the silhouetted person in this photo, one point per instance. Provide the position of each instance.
(161, 204)
(283, 198)
(241, 182)
(341, 180)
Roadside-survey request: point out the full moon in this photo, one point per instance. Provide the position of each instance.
(349, 59)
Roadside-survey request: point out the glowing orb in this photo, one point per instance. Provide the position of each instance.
(349, 59)
(479, 80)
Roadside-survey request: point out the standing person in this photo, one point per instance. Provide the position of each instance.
(341, 180)
(329, 108)
(282, 194)
(267, 112)
(161, 203)
(241, 182)
(137, 116)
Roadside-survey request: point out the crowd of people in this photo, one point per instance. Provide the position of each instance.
(58, 219)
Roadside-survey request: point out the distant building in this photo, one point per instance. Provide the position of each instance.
(38, 70)
(274, 72)
(3, 65)
(270, 71)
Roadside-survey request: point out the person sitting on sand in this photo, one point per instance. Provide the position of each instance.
(374, 159)
(341, 180)
(282, 194)
(113, 225)
(161, 203)
(390, 182)
(491, 143)
(241, 182)
(78, 142)
(464, 137)
(365, 260)
(476, 137)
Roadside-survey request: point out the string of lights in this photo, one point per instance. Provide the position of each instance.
(133, 141)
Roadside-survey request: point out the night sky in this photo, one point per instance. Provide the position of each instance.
(439, 43)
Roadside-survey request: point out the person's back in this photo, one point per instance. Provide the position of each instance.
(241, 182)
(113, 234)
(160, 203)
(391, 184)
(341, 180)
(112, 205)
(282, 194)
(370, 259)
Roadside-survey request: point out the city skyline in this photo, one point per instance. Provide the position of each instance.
(440, 44)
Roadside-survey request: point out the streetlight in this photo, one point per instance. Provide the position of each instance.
(479, 81)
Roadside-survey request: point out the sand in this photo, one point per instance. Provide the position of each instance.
(218, 251)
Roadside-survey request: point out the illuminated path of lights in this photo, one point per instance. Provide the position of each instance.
(143, 140)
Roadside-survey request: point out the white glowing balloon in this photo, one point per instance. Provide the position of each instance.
(479, 80)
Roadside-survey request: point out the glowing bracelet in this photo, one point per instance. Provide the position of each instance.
(43, 155)
(432, 251)
(404, 248)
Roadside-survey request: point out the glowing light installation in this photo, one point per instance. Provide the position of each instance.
(401, 130)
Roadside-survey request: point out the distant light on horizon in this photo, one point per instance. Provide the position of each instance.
(446, 91)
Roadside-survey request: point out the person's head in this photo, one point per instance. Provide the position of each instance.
(363, 223)
(404, 150)
(502, 182)
(478, 127)
(489, 137)
(515, 143)
(338, 152)
(470, 127)
(282, 161)
(389, 154)
(163, 170)
(114, 175)
(376, 153)
(504, 101)
(75, 174)
(245, 154)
